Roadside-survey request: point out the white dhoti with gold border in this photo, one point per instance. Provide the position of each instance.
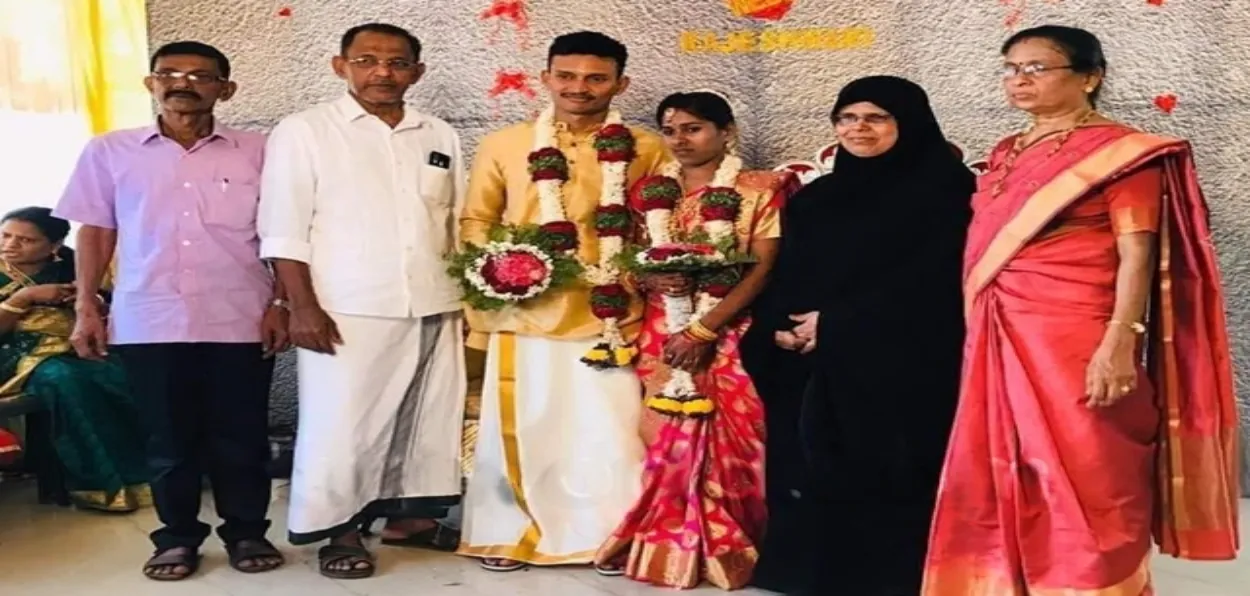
(558, 456)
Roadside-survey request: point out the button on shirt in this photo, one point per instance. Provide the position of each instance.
(369, 208)
(188, 266)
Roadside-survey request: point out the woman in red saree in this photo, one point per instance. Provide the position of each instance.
(1089, 244)
(702, 509)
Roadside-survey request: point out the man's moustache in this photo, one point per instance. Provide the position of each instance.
(191, 94)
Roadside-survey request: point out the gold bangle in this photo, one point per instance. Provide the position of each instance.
(701, 332)
(1134, 326)
(6, 307)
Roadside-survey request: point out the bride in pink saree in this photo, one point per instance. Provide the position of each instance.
(1090, 244)
(701, 513)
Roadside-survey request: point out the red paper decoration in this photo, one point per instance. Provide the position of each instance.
(512, 81)
(1016, 11)
(508, 82)
(284, 12)
(507, 11)
(1167, 102)
(1155, 2)
(762, 10)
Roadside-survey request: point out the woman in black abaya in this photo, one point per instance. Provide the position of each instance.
(856, 350)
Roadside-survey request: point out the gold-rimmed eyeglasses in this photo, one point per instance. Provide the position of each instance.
(195, 78)
(1029, 70)
(372, 62)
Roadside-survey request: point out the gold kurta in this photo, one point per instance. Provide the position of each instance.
(500, 191)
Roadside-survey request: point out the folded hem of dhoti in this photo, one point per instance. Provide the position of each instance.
(407, 508)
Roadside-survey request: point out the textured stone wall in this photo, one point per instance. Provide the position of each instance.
(1178, 67)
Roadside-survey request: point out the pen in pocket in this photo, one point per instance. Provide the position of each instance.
(225, 184)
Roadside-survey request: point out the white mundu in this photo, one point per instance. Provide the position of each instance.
(370, 209)
(558, 457)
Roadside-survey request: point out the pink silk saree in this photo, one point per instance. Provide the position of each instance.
(1041, 495)
(702, 510)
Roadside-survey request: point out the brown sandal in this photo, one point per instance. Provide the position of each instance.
(162, 564)
(256, 550)
(355, 555)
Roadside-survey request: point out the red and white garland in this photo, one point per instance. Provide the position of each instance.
(679, 395)
(614, 144)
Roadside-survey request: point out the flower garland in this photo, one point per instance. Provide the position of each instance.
(718, 212)
(549, 169)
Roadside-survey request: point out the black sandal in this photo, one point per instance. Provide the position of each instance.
(439, 538)
(254, 550)
(337, 553)
(168, 560)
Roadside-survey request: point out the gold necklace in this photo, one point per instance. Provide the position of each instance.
(1019, 146)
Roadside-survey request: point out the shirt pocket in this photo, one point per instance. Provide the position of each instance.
(230, 203)
(436, 185)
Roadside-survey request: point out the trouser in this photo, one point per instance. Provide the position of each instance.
(206, 407)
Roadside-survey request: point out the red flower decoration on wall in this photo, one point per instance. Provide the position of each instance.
(514, 12)
(1167, 102)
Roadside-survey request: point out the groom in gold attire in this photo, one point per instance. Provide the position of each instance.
(558, 459)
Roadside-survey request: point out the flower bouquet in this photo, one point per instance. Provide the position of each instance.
(516, 264)
(708, 255)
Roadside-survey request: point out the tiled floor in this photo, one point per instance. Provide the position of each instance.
(46, 551)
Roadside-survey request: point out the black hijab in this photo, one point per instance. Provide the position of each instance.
(850, 231)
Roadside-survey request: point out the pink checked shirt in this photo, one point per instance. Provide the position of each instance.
(188, 268)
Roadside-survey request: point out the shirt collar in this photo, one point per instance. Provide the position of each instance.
(353, 111)
(220, 131)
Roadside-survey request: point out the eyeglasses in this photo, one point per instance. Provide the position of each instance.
(1029, 70)
(195, 78)
(853, 119)
(371, 62)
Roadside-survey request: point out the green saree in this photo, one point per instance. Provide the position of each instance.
(96, 427)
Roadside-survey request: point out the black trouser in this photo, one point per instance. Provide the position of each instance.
(207, 408)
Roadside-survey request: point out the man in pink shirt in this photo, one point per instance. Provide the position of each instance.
(196, 316)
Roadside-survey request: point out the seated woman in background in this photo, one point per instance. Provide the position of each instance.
(702, 513)
(98, 432)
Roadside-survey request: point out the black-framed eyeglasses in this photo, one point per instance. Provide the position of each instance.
(1029, 70)
(853, 119)
(195, 78)
(372, 62)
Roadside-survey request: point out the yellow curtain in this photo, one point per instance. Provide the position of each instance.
(69, 70)
(110, 58)
(88, 57)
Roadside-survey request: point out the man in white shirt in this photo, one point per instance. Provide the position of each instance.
(358, 200)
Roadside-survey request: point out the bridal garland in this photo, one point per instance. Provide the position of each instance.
(719, 208)
(549, 170)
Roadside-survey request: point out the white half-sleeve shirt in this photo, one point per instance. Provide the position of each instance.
(370, 209)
